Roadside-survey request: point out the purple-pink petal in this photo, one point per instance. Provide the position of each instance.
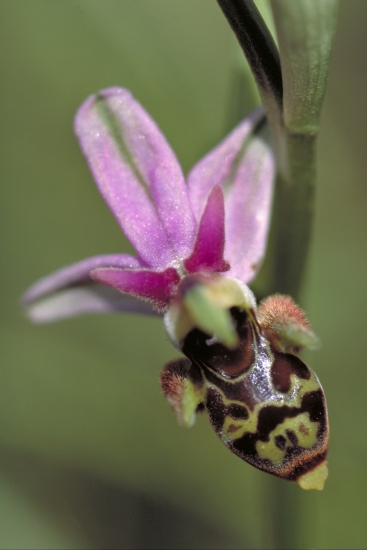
(138, 175)
(243, 165)
(156, 286)
(88, 297)
(70, 291)
(248, 208)
(216, 168)
(76, 274)
(209, 244)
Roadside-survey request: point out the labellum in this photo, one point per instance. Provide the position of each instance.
(263, 401)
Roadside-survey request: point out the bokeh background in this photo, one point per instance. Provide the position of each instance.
(91, 455)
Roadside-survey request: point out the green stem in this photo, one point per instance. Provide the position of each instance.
(257, 44)
(293, 211)
(292, 214)
(295, 155)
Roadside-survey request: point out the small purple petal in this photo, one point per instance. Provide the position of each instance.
(217, 166)
(88, 298)
(138, 175)
(209, 245)
(243, 165)
(248, 208)
(156, 286)
(77, 274)
(70, 291)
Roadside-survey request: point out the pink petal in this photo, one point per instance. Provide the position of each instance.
(138, 175)
(87, 298)
(70, 291)
(77, 274)
(209, 245)
(248, 208)
(156, 286)
(243, 165)
(217, 166)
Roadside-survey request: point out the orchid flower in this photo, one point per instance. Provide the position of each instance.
(199, 244)
(176, 228)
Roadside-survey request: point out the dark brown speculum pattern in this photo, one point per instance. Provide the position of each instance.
(267, 407)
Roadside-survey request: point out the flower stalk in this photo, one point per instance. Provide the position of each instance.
(292, 91)
(292, 88)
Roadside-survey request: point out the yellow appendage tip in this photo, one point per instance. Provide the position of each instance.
(314, 479)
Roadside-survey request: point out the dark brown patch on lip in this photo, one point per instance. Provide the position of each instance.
(283, 366)
(237, 391)
(228, 363)
(271, 416)
(292, 437)
(280, 442)
(218, 411)
(237, 412)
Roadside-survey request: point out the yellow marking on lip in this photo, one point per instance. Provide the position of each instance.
(248, 425)
(301, 425)
(270, 451)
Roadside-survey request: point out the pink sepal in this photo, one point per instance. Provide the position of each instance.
(138, 176)
(243, 165)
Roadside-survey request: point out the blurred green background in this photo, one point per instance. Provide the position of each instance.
(91, 456)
